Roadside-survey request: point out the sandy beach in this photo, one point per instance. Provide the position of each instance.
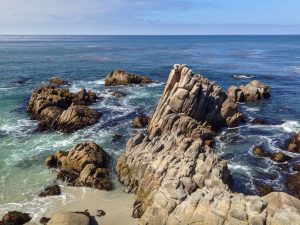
(116, 204)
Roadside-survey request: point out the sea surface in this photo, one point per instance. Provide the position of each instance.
(27, 62)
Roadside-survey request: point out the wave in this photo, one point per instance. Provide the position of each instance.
(20, 128)
(241, 76)
(291, 126)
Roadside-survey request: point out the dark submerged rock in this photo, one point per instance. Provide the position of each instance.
(50, 191)
(15, 218)
(116, 137)
(84, 165)
(120, 77)
(118, 94)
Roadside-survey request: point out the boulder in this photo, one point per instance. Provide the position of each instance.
(120, 77)
(176, 177)
(50, 191)
(57, 81)
(84, 165)
(15, 218)
(77, 117)
(59, 109)
(293, 144)
(141, 121)
(253, 91)
(69, 218)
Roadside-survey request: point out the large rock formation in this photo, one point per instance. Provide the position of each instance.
(120, 77)
(59, 109)
(251, 92)
(177, 177)
(84, 165)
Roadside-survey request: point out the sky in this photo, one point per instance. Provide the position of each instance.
(154, 17)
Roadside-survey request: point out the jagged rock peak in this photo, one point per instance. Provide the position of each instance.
(192, 95)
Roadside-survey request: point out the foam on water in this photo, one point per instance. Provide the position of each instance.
(291, 126)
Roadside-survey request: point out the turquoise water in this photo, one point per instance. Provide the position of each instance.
(29, 61)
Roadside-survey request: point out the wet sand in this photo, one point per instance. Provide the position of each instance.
(116, 204)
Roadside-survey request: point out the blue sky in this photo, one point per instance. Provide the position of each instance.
(149, 16)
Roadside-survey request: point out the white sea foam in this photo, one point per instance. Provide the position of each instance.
(291, 126)
(296, 69)
(241, 76)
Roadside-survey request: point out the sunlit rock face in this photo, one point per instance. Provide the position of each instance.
(175, 174)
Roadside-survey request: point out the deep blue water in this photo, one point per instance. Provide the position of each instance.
(29, 61)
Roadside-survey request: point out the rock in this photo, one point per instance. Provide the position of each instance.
(59, 109)
(259, 151)
(57, 81)
(251, 92)
(84, 165)
(44, 220)
(118, 94)
(176, 178)
(293, 144)
(120, 77)
(116, 137)
(84, 97)
(69, 218)
(100, 213)
(141, 121)
(293, 184)
(277, 157)
(258, 121)
(15, 218)
(51, 191)
(77, 117)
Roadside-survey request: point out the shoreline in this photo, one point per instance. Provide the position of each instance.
(116, 204)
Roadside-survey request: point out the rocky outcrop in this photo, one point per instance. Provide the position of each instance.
(120, 77)
(59, 109)
(176, 176)
(251, 92)
(15, 218)
(293, 144)
(84, 165)
(70, 218)
(57, 81)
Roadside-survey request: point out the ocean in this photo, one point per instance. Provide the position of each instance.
(27, 62)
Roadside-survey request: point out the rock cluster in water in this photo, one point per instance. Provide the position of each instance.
(251, 92)
(120, 77)
(177, 177)
(59, 109)
(84, 165)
